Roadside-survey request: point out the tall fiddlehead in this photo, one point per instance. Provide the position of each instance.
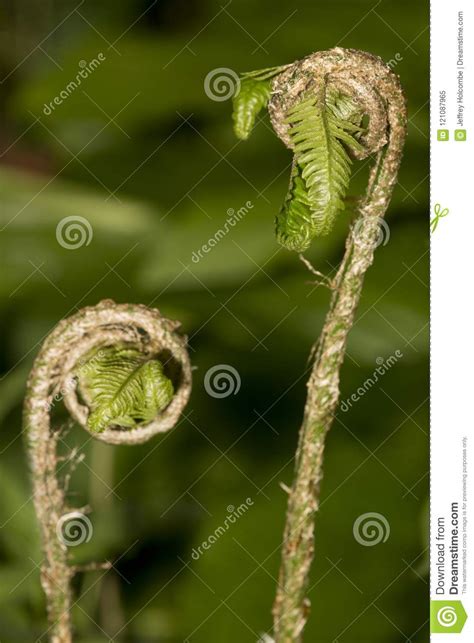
(124, 375)
(328, 108)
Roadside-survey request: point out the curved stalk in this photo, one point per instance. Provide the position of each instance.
(377, 92)
(54, 377)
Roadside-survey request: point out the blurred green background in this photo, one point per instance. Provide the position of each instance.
(149, 159)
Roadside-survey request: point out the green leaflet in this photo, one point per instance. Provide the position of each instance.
(321, 126)
(122, 388)
(264, 74)
(294, 223)
(252, 97)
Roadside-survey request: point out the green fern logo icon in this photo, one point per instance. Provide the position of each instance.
(439, 214)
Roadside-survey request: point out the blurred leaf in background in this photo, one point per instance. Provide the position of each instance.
(142, 162)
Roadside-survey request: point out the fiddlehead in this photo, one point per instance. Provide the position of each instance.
(124, 375)
(318, 107)
(330, 106)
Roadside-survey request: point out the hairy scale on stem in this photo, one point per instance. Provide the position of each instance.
(327, 108)
(124, 375)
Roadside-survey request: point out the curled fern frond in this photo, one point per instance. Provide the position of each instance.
(102, 364)
(124, 343)
(123, 388)
(323, 127)
(252, 97)
(327, 108)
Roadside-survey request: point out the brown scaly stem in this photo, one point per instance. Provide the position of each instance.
(377, 91)
(53, 378)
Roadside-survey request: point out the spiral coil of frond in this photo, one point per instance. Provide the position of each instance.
(112, 357)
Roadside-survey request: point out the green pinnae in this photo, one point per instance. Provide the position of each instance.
(123, 387)
(324, 127)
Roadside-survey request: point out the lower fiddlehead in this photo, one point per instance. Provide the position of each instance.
(124, 375)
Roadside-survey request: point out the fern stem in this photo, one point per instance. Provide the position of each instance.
(53, 379)
(372, 85)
